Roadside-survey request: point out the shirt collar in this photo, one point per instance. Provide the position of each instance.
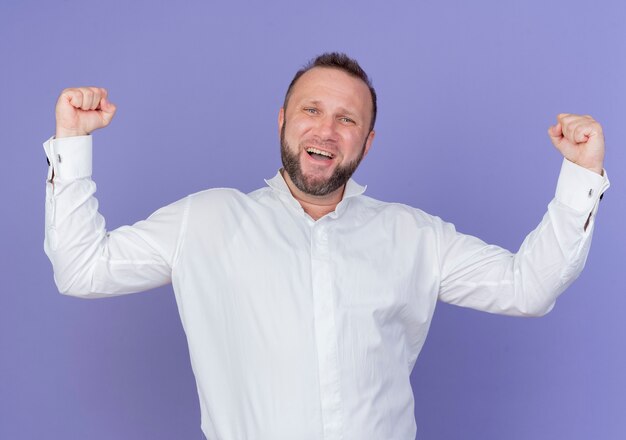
(278, 183)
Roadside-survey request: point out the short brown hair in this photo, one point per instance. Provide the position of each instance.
(341, 61)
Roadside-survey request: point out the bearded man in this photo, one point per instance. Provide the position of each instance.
(306, 303)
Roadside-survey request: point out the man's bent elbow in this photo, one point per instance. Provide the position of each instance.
(537, 309)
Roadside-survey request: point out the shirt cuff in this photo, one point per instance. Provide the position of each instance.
(69, 158)
(580, 188)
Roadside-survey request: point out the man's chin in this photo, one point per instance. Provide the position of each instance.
(323, 183)
(316, 179)
(315, 185)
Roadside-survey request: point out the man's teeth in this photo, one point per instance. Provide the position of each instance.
(319, 152)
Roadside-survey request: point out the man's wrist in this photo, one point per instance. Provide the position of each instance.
(598, 170)
(64, 132)
(595, 166)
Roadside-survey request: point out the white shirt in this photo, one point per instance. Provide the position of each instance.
(303, 329)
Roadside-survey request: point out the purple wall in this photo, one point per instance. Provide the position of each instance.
(467, 91)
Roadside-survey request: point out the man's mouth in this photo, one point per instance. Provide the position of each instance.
(319, 154)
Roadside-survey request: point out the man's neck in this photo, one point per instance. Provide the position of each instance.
(316, 206)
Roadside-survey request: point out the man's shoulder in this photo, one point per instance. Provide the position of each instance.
(394, 210)
(227, 196)
(216, 193)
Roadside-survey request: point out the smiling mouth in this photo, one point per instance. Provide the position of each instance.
(319, 154)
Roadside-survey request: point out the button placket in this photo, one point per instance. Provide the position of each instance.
(326, 334)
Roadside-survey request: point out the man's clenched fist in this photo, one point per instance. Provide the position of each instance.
(79, 111)
(580, 140)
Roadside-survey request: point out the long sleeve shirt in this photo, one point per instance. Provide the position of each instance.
(303, 329)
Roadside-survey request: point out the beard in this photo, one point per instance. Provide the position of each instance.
(311, 185)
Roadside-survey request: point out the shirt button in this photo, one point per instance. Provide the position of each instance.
(590, 193)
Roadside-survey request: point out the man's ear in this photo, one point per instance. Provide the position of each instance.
(281, 119)
(369, 141)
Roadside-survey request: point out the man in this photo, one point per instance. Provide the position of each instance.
(306, 303)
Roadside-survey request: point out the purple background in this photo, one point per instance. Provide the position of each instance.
(467, 91)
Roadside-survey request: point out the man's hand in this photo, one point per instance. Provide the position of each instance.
(580, 140)
(81, 110)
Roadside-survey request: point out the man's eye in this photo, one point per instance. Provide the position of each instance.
(347, 120)
(311, 110)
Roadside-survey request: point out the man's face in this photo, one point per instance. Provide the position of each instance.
(324, 131)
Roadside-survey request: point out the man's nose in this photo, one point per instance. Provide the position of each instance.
(326, 128)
